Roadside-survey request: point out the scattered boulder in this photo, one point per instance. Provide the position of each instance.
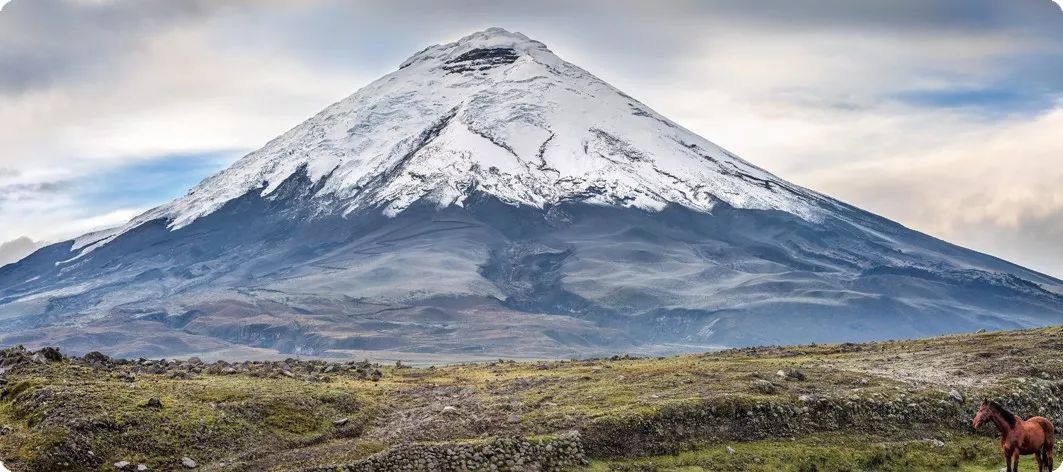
(96, 358)
(188, 462)
(764, 386)
(141, 467)
(341, 421)
(179, 375)
(791, 374)
(51, 354)
(956, 395)
(43, 396)
(153, 402)
(121, 465)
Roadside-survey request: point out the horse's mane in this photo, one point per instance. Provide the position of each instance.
(1010, 418)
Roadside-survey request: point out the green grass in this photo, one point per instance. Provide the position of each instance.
(57, 412)
(826, 453)
(203, 417)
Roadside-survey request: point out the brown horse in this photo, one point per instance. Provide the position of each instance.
(1019, 438)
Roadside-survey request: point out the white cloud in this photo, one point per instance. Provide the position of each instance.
(813, 109)
(16, 249)
(171, 93)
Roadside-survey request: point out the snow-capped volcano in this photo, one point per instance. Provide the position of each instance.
(488, 198)
(498, 113)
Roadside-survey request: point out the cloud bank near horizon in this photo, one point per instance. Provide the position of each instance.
(943, 115)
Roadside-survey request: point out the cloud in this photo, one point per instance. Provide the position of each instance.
(102, 30)
(16, 249)
(56, 210)
(20, 192)
(125, 117)
(993, 185)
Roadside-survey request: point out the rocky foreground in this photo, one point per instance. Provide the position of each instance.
(880, 406)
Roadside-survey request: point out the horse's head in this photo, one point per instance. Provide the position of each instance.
(985, 410)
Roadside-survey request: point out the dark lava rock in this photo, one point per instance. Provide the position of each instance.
(51, 354)
(764, 386)
(792, 374)
(153, 402)
(96, 358)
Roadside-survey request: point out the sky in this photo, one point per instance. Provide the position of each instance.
(944, 115)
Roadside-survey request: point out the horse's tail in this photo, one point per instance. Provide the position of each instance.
(1050, 442)
(1050, 432)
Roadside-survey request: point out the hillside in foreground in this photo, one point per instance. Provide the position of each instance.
(902, 405)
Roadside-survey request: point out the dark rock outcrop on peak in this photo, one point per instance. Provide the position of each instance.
(481, 59)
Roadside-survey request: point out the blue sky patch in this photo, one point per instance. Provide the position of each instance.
(993, 101)
(151, 182)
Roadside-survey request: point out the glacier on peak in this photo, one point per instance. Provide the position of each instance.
(493, 112)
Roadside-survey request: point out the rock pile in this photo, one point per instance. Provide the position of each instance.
(502, 454)
(307, 370)
(14, 357)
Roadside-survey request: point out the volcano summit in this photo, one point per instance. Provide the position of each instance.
(489, 199)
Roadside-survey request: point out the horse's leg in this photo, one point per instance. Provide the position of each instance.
(1048, 458)
(1039, 457)
(1015, 460)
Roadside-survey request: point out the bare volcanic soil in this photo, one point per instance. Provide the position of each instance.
(902, 405)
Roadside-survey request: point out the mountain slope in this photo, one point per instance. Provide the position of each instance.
(489, 199)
